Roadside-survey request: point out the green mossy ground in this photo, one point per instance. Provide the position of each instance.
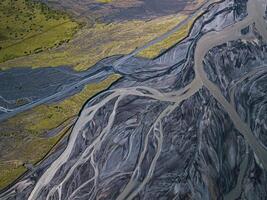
(28, 27)
(93, 43)
(156, 49)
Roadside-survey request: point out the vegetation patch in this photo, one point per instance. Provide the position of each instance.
(92, 44)
(28, 27)
(10, 171)
(154, 50)
(24, 133)
(104, 1)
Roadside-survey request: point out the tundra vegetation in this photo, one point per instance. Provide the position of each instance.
(156, 49)
(28, 27)
(95, 42)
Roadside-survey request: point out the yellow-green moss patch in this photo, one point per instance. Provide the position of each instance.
(92, 44)
(28, 27)
(104, 1)
(154, 50)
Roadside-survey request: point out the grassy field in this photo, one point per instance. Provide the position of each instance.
(28, 27)
(92, 44)
(154, 50)
(24, 134)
